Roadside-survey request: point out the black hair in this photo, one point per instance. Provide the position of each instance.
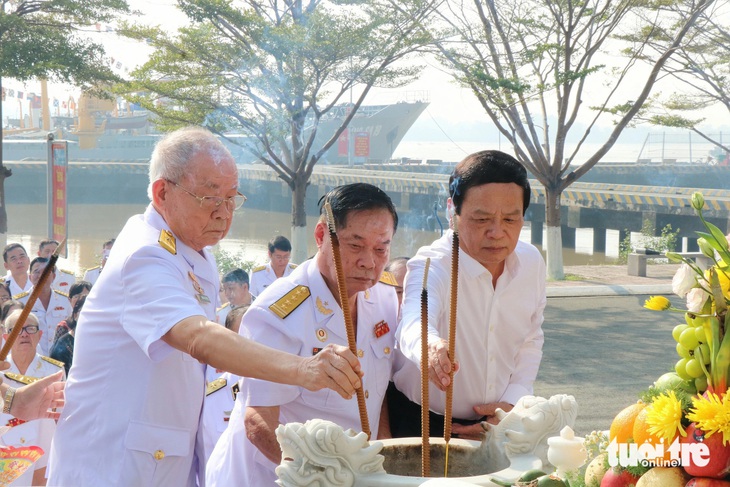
(280, 242)
(41, 260)
(356, 197)
(10, 247)
(7, 306)
(78, 287)
(236, 275)
(489, 166)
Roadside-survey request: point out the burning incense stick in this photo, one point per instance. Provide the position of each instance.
(452, 344)
(425, 426)
(31, 301)
(345, 305)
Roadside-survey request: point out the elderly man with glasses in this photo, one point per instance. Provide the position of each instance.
(136, 387)
(26, 367)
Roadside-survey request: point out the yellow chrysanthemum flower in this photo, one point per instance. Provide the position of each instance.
(712, 415)
(665, 417)
(722, 277)
(657, 303)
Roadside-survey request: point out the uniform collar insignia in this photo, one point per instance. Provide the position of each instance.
(167, 241)
(322, 307)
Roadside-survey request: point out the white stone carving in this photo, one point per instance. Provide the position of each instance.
(320, 454)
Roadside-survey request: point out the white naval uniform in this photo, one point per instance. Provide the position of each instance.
(220, 394)
(92, 274)
(63, 281)
(59, 308)
(262, 277)
(15, 289)
(139, 396)
(313, 324)
(38, 432)
(222, 312)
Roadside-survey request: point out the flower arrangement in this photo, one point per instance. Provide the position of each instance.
(703, 345)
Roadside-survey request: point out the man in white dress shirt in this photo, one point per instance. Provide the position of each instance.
(16, 263)
(278, 265)
(26, 367)
(51, 307)
(136, 387)
(301, 314)
(501, 299)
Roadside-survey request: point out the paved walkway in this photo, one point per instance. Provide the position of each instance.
(601, 345)
(612, 280)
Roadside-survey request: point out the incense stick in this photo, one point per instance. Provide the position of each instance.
(425, 421)
(345, 305)
(452, 344)
(31, 301)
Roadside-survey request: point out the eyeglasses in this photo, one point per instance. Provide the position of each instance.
(30, 330)
(214, 202)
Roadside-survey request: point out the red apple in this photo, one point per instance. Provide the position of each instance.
(618, 479)
(718, 465)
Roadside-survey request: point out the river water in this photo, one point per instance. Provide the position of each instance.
(91, 225)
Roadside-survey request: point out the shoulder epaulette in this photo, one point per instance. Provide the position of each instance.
(290, 301)
(167, 241)
(21, 295)
(93, 268)
(23, 379)
(259, 268)
(292, 266)
(65, 295)
(2, 279)
(66, 272)
(221, 308)
(388, 278)
(215, 385)
(53, 361)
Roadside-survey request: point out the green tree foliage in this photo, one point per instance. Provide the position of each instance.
(538, 67)
(701, 68)
(274, 70)
(45, 39)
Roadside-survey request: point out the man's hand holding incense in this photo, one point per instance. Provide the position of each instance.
(478, 431)
(439, 364)
(40, 399)
(334, 367)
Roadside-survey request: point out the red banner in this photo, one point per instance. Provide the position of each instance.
(362, 144)
(342, 142)
(58, 187)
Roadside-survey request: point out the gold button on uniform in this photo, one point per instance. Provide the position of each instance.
(360, 353)
(367, 394)
(387, 350)
(159, 455)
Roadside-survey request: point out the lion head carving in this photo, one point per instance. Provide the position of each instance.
(320, 453)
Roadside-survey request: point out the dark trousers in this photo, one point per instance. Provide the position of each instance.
(405, 417)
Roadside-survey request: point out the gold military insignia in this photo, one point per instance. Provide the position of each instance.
(215, 385)
(53, 361)
(23, 379)
(21, 295)
(290, 301)
(259, 268)
(321, 334)
(388, 278)
(292, 266)
(222, 308)
(93, 268)
(322, 307)
(65, 295)
(167, 241)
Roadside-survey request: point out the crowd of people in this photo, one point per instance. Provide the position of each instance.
(179, 374)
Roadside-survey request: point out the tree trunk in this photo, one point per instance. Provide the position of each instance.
(4, 173)
(299, 219)
(554, 242)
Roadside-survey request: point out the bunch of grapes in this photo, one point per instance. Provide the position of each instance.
(694, 353)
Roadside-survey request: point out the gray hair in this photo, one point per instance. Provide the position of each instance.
(175, 151)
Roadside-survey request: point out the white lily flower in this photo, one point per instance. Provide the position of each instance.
(696, 299)
(684, 280)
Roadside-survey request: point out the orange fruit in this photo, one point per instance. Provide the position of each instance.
(622, 426)
(641, 435)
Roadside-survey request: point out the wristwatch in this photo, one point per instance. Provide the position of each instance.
(8, 400)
